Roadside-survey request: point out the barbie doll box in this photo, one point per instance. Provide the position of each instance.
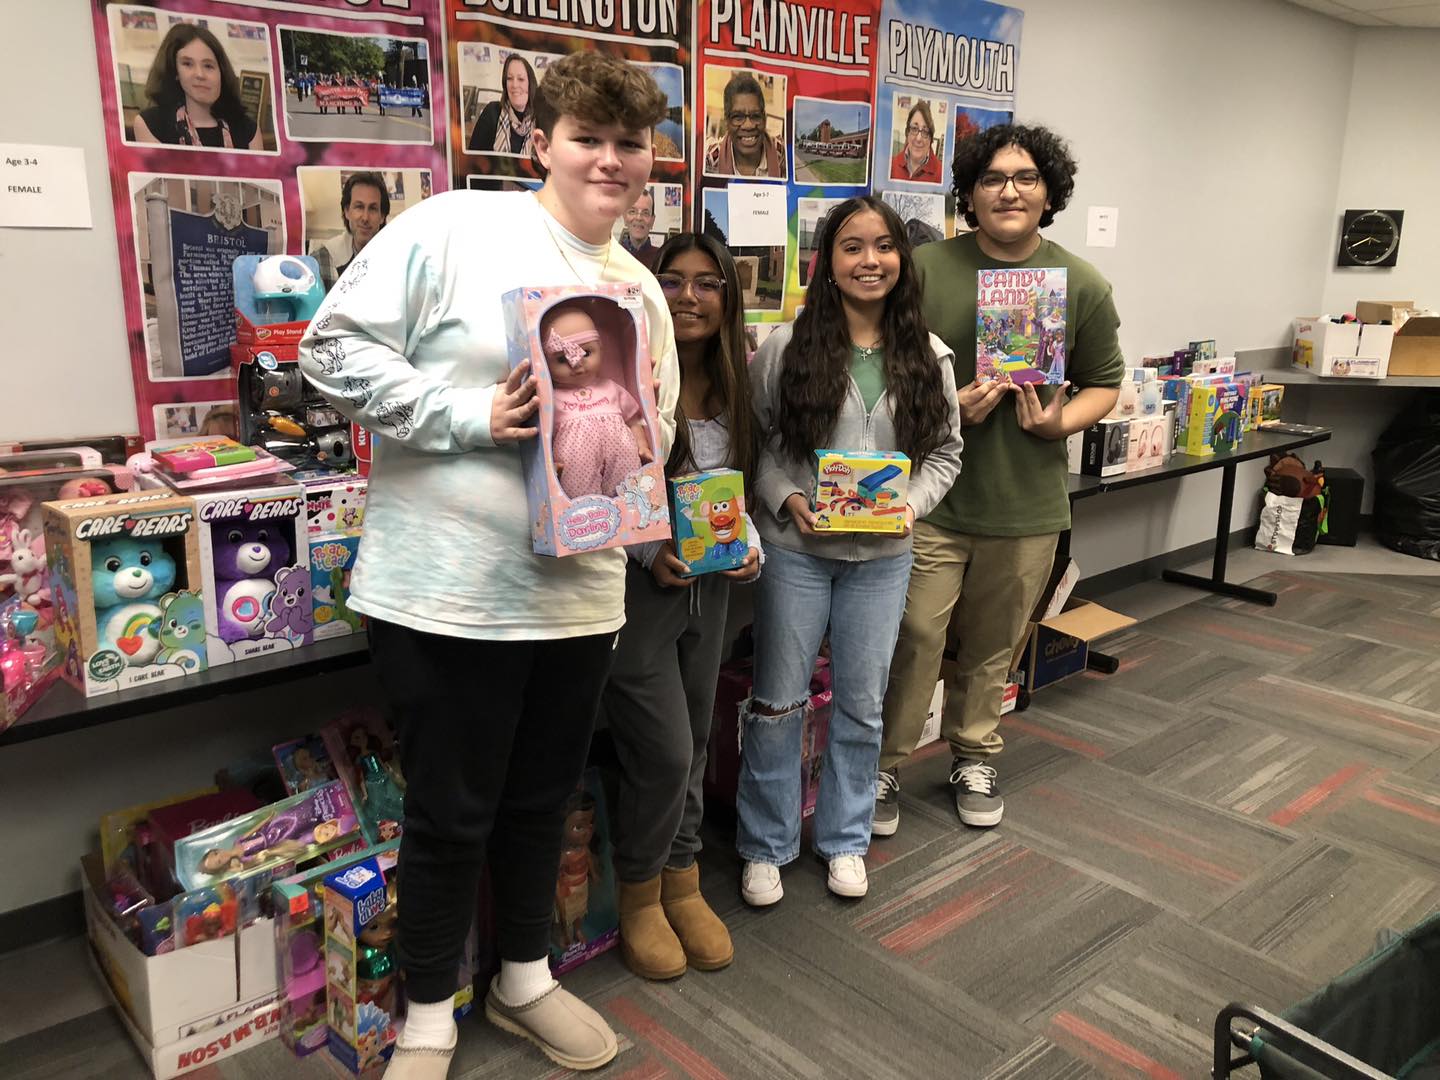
(127, 588)
(595, 475)
(860, 491)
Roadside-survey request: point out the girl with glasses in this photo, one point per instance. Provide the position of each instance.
(858, 371)
(661, 692)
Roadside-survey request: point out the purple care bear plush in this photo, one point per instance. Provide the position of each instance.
(291, 605)
(246, 558)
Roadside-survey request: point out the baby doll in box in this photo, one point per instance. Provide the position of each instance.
(599, 436)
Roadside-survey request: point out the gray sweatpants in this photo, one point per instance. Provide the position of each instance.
(658, 704)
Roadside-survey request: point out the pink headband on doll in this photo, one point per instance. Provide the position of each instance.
(570, 346)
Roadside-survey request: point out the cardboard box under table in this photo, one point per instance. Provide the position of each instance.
(190, 1007)
(1059, 646)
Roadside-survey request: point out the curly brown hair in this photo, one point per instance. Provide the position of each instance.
(815, 370)
(1052, 157)
(599, 89)
(162, 85)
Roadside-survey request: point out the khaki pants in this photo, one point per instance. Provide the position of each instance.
(990, 585)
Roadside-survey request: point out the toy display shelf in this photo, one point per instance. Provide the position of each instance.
(1296, 377)
(64, 709)
(1257, 444)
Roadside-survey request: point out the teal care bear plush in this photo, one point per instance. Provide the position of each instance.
(129, 578)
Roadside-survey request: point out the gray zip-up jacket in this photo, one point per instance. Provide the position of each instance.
(780, 476)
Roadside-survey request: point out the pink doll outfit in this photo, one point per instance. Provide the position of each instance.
(592, 437)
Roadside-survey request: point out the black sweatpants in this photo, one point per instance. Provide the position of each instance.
(493, 739)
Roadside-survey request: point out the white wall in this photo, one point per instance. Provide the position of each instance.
(1391, 161)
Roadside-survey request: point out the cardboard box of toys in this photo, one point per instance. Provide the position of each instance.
(332, 560)
(1415, 349)
(128, 589)
(1342, 350)
(255, 558)
(276, 296)
(334, 503)
(860, 491)
(190, 1007)
(362, 982)
(708, 511)
(594, 476)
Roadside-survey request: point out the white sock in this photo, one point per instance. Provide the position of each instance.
(521, 982)
(429, 1024)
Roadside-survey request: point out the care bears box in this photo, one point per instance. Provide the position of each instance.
(128, 589)
(255, 555)
(332, 558)
(710, 530)
(589, 485)
(860, 491)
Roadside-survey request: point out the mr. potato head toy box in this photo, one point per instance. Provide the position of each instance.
(594, 475)
(128, 589)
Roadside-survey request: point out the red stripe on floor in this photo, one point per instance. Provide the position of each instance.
(916, 934)
(649, 1069)
(1055, 738)
(689, 1060)
(1112, 1047)
(1303, 804)
(1277, 644)
(1415, 810)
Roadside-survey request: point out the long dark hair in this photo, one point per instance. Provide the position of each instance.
(815, 369)
(505, 92)
(162, 86)
(725, 362)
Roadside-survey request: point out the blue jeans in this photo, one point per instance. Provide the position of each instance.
(797, 597)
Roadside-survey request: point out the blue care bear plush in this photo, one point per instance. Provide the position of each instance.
(128, 578)
(246, 559)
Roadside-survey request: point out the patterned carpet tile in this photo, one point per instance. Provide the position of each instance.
(1325, 601)
(1269, 775)
(1381, 671)
(1169, 671)
(1318, 908)
(1398, 816)
(1163, 848)
(1092, 718)
(79, 1049)
(1152, 1014)
(1247, 634)
(1387, 734)
(1427, 768)
(1000, 921)
(1042, 1060)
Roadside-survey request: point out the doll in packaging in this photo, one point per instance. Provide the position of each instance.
(599, 437)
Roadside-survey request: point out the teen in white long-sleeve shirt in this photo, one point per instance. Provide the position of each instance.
(492, 657)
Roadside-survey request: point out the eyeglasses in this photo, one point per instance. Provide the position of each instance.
(634, 214)
(916, 129)
(1024, 180)
(705, 287)
(738, 118)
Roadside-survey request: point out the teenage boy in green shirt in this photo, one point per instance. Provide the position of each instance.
(984, 554)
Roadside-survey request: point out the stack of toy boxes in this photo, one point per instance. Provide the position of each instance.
(1272, 396)
(334, 515)
(128, 589)
(255, 558)
(860, 491)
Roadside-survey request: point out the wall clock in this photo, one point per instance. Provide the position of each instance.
(1370, 238)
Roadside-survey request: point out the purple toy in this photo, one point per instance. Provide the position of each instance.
(245, 557)
(291, 604)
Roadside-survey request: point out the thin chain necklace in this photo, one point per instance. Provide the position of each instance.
(550, 227)
(867, 351)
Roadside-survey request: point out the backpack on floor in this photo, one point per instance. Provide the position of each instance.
(1292, 519)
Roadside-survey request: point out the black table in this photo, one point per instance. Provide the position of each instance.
(1257, 444)
(64, 709)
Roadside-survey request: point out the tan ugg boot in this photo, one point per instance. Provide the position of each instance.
(702, 935)
(647, 944)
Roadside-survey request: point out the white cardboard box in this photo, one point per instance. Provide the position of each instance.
(213, 999)
(931, 731)
(1342, 350)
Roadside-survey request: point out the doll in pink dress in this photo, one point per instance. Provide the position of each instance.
(599, 437)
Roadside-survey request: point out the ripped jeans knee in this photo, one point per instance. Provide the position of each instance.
(764, 713)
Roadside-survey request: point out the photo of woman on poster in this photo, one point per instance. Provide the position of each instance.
(745, 136)
(505, 126)
(194, 96)
(918, 160)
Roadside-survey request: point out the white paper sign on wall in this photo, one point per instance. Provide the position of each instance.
(43, 187)
(757, 215)
(1102, 223)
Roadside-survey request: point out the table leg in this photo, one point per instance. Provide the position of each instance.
(1216, 582)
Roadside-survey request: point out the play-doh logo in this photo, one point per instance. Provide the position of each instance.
(836, 468)
(329, 556)
(251, 509)
(588, 523)
(134, 525)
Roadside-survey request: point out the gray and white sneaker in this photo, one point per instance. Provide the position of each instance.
(977, 794)
(887, 803)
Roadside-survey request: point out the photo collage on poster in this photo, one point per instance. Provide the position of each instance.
(248, 131)
(304, 128)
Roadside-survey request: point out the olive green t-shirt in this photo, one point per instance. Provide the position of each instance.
(869, 375)
(1013, 483)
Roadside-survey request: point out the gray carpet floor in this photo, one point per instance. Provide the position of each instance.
(1233, 815)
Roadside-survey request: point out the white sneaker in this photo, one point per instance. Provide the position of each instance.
(760, 884)
(847, 876)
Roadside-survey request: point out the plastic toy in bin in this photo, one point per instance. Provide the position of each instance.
(860, 491)
(287, 289)
(593, 476)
